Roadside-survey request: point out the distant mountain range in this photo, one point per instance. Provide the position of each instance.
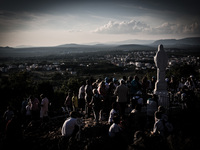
(172, 43)
(193, 42)
(181, 43)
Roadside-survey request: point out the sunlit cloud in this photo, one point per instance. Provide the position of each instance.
(134, 27)
(125, 27)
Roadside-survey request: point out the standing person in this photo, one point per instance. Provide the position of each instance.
(81, 97)
(122, 96)
(23, 107)
(102, 89)
(44, 107)
(28, 113)
(8, 114)
(128, 84)
(35, 109)
(145, 85)
(173, 84)
(75, 101)
(97, 105)
(88, 97)
(135, 85)
(103, 92)
(152, 83)
(23, 110)
(68, 102)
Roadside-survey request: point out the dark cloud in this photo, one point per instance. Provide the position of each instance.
(182, 6)
(179, 6)
(26, 5)
(159, 8)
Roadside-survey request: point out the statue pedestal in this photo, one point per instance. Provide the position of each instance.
(163, 98)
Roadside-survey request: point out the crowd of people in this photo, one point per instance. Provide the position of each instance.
(128, 103)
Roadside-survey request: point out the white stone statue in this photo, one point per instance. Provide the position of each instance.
(161, 62)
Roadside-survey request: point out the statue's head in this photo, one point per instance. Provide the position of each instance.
(160, 47)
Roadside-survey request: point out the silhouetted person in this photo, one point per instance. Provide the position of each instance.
(122, 96)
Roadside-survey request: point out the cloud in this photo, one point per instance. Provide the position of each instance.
(124, 27)
(138, 27)
(172, 28)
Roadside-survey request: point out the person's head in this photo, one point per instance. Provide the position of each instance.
(95, 91)
(161, 109)
(98, 81)
(136, 78)
(158, 115)
(73, 114)
(88, 82)
(124, 78)
(115, 80)
(114, 105)
(153, 78)
(122, 81)
(116, 119)
(154, 97)
(70, 93)
(29, 103)
(144, 79)
(182, 79)
(130, 78)
(191, 77)
(138, 107)
(9, 108)
(106, 79)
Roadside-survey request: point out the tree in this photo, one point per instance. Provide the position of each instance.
(15, 87)
(181, 71)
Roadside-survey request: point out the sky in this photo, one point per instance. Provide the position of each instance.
(56, 22)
